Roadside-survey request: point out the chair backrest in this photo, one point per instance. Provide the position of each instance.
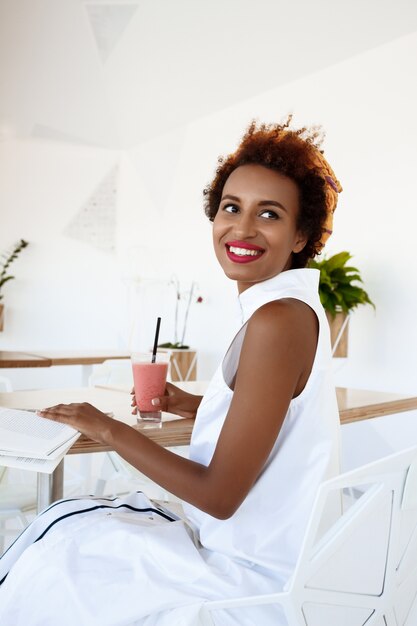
(112, 372)
(362, 567)
(5, 384)
(365, 565)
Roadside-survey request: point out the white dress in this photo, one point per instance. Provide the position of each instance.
(127, 561)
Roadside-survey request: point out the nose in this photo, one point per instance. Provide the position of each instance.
(245, 226)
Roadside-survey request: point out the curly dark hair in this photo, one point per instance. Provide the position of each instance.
(293, 153)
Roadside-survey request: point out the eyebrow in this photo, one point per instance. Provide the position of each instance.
(260, 203)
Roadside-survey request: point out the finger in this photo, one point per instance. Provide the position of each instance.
(60, 412)
(55, 416)
(57, 409)
(52, 408)
(63, 408)
(160, 403)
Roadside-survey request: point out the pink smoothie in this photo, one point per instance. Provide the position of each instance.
(149, 380)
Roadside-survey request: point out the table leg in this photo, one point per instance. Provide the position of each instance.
(50, 487)
(86, 371)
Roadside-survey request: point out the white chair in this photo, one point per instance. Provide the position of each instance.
(18, 493)
(112, 372)
(15, 501)
(127, 477)
(363, 569)
(5, 384)
(18, 498)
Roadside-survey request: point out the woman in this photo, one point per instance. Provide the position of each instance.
(265, 436)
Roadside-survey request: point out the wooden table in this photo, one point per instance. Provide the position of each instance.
(49, 358)
(354, 405)
(22, 359)
(359, 404)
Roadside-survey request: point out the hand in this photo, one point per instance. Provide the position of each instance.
(174, 401)
(83, 417)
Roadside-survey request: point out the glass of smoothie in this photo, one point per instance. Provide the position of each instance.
(149, 380)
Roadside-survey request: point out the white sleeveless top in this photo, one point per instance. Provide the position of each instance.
(267, 529)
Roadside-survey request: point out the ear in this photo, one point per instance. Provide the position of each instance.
(300, 242)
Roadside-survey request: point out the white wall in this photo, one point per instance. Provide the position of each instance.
(69, 294)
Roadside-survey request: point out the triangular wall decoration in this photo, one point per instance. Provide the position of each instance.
(108, 23)
(95, 223)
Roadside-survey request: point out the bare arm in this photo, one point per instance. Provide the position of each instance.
(276, 359)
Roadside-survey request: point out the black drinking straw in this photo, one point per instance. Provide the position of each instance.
(155, 343)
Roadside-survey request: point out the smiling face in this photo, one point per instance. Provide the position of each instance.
(255, 229)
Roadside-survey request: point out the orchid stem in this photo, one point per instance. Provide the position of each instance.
(186, 312)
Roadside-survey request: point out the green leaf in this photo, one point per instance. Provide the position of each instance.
(4, 280)
(8, 259)
(335, 286)
(173, 346)
(348, 269)
(325, 279)
(346, 280)
(338, 260)
(330, 306)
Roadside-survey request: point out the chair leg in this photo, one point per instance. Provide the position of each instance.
(99, 488)
(23, 520)
(108, 471)
(4, 531)
(2, 534)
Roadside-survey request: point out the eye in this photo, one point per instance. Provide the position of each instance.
(270, 215)
(230, 208)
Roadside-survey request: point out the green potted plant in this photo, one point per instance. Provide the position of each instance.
(339, 294)
(6, 260)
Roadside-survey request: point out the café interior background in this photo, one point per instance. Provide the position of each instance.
(112, 116)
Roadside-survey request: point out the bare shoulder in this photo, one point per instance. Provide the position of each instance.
(285, 318)
(282, 338)
(283, 334)
(278, 352)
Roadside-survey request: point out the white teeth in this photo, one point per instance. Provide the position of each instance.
(244, 251)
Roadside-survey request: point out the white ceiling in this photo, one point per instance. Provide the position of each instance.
(114, 74)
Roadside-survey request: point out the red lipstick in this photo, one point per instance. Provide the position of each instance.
(235, 251)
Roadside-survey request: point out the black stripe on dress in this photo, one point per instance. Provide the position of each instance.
(159, 512)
